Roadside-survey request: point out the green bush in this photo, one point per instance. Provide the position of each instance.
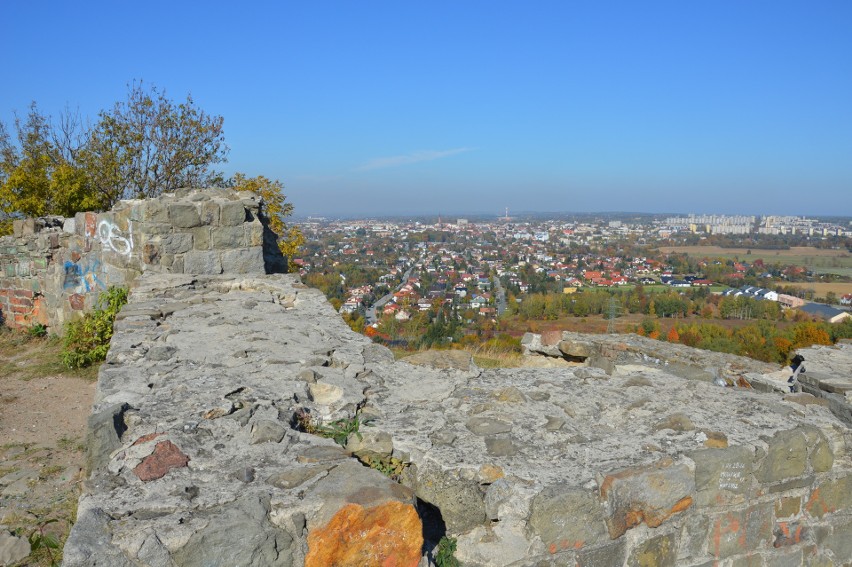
(87, 339)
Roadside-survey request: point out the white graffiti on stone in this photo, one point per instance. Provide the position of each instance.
(110, 235)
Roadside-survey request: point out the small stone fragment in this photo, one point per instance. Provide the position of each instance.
(324, 394)
(12, 548)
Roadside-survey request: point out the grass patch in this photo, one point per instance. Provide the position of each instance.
(50, 471)
(27, 356)
(70, 444)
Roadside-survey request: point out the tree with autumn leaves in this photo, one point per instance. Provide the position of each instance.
(142, 147)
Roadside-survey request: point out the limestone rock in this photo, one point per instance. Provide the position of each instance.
(240, 534)
(265, 431)
(12, 548)
(442, 359)
(325, 394)
(460, 500)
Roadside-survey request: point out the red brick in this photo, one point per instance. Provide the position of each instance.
(21, 308)
(77, 301)
(23, 293)
(22, 301)
(91, 224)
(40, 311)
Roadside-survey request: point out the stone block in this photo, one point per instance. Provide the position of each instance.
(787, 457)
(840, 543)
(200, 237)
(567, 518)
(605, 556)
(741, 531)
(788, 506)
(370, 443)
(105, 429)
(12, 548)
(387, 534)
(209, 213)
(150, 253)
(232, 214)
(69, 225)
(201, 262)
(243, 261)
(459, 499)
(722, 476)
(820, 454)
(184, 215)
(253, 234)
(576, 349)
(789, 533)
(365, 519)
(240, 535)
(267, 431)
(90, 224)
(176, 243)
(227, 237)
(649, 494)
(830, 496)
(155, 212)
(659, 551)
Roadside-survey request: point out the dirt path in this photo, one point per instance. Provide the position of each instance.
(42, 429)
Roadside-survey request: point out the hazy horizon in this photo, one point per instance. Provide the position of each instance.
(388, 108)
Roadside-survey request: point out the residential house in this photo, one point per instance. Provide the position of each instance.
(825, 312)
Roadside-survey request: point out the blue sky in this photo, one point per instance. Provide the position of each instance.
(473, 106)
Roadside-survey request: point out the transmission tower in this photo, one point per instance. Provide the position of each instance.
(614, 309)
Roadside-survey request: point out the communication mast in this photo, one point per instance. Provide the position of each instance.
(614, 309)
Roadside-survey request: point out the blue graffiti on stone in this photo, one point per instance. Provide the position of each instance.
(82, 278)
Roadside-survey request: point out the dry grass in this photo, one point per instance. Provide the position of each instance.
(822, 288)
(819, 259)
(29, 357)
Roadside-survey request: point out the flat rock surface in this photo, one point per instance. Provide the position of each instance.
(227, 373)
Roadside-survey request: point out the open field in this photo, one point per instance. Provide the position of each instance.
(821, 288)
(818, 259)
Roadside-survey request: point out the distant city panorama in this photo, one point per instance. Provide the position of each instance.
(759, 286)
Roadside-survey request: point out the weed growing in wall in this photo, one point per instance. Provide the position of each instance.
(87, 339)
(445, 557)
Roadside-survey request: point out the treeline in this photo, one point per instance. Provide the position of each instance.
(691, 302)
(142, 147)
(761, 340)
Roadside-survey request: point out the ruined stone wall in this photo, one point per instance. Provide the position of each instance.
(198, 453)
(54, 268)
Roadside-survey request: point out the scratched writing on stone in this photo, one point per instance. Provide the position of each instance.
(731, 476)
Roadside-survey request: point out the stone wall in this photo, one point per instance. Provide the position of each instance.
(199, 454)
(53, 268)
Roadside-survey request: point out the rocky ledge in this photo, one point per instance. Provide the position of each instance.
(203, 449)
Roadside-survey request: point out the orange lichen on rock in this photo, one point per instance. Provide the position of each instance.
(389, 535)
